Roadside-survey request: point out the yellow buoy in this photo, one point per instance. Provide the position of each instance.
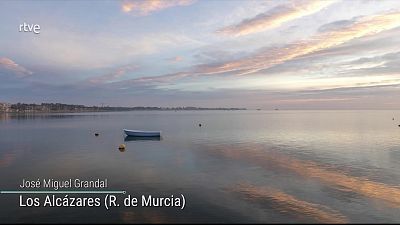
(121, 147)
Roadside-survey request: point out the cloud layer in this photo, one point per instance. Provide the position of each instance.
(317, 53)
(146, 7)
(267, 58)
(274, 17)
(114, 75)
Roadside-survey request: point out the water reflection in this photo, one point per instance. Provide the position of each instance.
(297, 171)
(258, 155)
(132, 138)
(4, 116)
(7, 159)
(286, 203)
(144, 217)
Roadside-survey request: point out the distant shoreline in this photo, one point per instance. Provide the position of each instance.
(100, 111)
(66, 108)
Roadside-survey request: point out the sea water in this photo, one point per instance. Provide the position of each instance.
(239, 166)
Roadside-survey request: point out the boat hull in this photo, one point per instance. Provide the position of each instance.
(140, 133)
(135, 138)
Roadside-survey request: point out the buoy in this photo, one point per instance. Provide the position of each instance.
(96, 134)
(121, 147)
(199, 124)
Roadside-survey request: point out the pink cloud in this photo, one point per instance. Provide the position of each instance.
(274, 18)
(12, 66)
(114, 75)
(146, 7)
(175, 59)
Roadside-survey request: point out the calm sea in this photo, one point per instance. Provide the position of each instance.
(239, 166)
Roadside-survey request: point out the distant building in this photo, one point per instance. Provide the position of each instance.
(5, 107)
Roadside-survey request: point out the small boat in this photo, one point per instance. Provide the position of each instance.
(141, 133)
(136, 138)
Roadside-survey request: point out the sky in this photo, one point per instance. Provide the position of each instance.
(294, 54)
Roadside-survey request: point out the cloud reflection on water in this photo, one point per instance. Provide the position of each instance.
(288, 203)
(145, 217)
(7, 159)
(260, 156)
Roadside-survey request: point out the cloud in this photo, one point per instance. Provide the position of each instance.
(82, 50)
(386, 64)
(364, 56)
(340, 24)
(274, 17)
(146, 7)
(385, 42)
(175, 59)
(268, 57)
(10, 65)
(114, 75)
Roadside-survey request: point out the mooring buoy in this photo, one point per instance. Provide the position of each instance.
(121, 147)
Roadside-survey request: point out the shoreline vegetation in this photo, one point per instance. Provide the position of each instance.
(70, 108)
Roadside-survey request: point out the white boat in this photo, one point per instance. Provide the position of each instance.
(142, 133)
